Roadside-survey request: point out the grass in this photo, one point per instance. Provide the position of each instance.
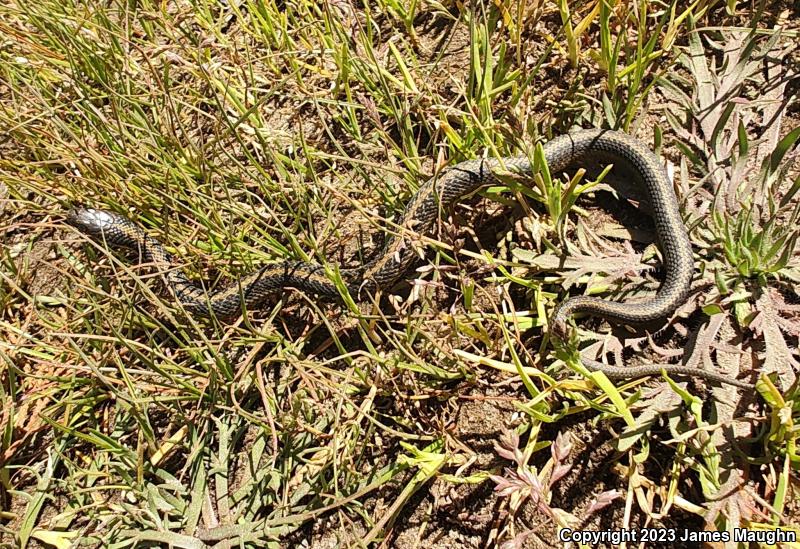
(242, 133)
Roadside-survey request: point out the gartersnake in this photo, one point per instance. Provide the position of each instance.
(577, 149)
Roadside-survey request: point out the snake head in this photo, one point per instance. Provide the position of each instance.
(91, 221)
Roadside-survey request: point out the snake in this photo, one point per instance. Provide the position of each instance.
(595, 148)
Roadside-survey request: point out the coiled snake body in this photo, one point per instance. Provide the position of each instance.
(577, 149)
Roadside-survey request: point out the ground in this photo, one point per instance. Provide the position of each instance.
(438, 412)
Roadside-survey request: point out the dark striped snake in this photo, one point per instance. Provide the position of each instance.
(577, 149)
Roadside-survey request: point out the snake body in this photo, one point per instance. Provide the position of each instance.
(584, 148)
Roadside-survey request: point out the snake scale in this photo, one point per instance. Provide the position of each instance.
(584, 148)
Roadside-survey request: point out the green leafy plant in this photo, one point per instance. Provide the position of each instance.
(743, 214)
